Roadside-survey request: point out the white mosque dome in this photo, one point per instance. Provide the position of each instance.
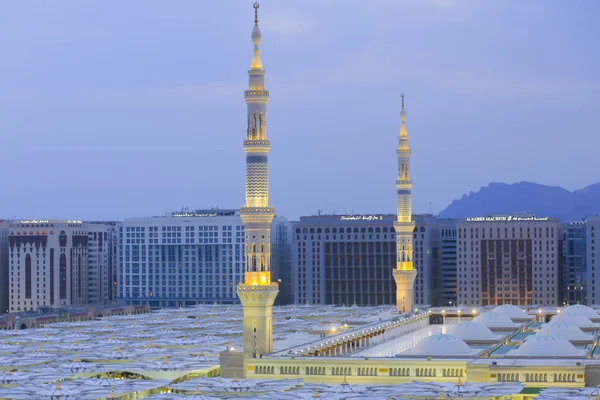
(511, 311)
(493, 319)
(580, 309)
(440, 345)
(562, 330)
(546, 346)
(566, 317)
(471, 331)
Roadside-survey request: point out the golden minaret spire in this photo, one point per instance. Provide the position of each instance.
(404, 274)
(257, 293)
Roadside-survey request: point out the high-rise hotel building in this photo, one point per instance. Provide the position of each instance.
(344, 259)
(592, 234)
(4, 287)
(509, 259)
(188, 257)
(574, 279)
(426, 259)
(102, 261)
(347, 259)
(48, 264)
(183, 258)
(448, 261)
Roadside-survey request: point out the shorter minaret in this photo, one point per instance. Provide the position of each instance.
(404, 274)
(257, 293)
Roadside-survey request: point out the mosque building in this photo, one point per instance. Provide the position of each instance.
(535, 347)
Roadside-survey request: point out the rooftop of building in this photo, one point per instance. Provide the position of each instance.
(44, 222)
(343, 219)
(161, 347)
(186, 215)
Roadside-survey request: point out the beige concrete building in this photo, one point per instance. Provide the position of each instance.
(48, 264)
(509, 259)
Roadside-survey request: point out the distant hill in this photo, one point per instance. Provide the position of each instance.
(542, 200)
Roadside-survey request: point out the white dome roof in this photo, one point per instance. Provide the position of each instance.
(470, 331)
(566, 317)
(580, 309)
(546, 345)
(440, 345)
(511, 311)
(562, 330)
(493, 319)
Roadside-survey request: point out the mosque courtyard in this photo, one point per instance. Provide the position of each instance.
(174, 353)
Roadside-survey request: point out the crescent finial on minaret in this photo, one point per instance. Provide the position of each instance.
(256, 62)
(256, 5)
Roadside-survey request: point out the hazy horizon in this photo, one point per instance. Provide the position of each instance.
(122, 109)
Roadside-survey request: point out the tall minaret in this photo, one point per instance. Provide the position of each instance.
(257, 293)
(404, 274)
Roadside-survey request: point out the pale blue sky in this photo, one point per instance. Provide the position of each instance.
(112, 108)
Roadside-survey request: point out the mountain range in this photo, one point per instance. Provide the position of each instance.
(541, 200)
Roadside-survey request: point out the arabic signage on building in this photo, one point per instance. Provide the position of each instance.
(47, 221)
(193, 214)
(506, 218)
(361, 218)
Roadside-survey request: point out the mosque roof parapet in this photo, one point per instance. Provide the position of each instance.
(349, 334)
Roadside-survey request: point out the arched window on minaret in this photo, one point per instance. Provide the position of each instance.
(403, 253)
(254, 263)
(253, 248)
(253, 125)
(249, 129)
(260, 125)
(262, 248)
(262, 264)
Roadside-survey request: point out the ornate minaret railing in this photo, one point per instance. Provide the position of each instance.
(404, 274)
(257, 293)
